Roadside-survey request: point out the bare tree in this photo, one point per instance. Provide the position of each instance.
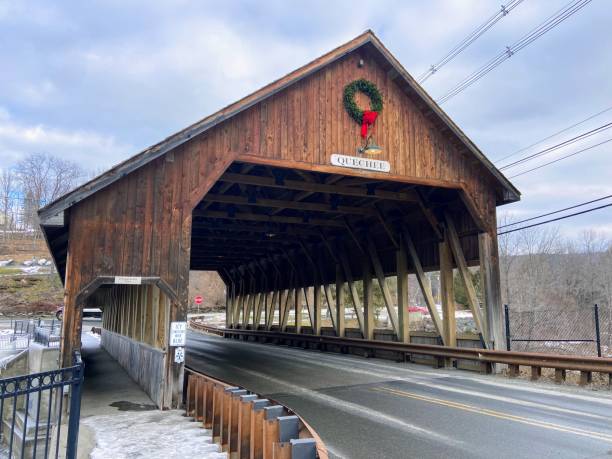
(44, 178)
(7, 190)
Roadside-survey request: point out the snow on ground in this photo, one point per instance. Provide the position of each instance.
(152, 435)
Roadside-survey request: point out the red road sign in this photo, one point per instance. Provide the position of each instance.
(198, 299)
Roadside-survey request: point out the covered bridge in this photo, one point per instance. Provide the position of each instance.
(282, 196)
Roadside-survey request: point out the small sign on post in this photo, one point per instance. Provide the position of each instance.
(179, 355)
(178, 333)
(198, 301)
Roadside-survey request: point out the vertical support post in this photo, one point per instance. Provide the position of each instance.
(507, 317)
(317, 310)
(449, 326)
(491, 278)
(339, 301)
(402, 293)
(597, 334)
(229, 305)
(368, 303)
(298, 309)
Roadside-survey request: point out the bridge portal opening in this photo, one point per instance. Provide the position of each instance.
(304, 251)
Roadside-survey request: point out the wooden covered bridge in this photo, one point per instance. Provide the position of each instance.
(282, 196)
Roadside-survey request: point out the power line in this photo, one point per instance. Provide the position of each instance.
(467, 41)
(553, 21)
(561, 158)
(565, 143)
(556, 211)
(554, 135)
(555, 219)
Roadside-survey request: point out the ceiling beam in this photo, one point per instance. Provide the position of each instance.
(281, 204)
(268, 219)
(318, 187)
(226, 226)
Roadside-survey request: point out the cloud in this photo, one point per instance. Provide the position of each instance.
(90, 149)
(102, 90)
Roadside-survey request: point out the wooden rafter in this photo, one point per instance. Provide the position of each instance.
(285, 204)
(317, 187)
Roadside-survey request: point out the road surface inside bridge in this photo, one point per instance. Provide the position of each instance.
(372, 408)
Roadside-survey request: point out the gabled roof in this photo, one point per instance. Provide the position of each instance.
(366, 39)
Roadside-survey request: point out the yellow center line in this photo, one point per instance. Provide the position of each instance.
(497, 414)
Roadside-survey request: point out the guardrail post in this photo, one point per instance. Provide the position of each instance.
(226, 417)
(233, 421)
(586, 377)
(536, 372)
(216, 412)
(199, 398)
(303, 448)
(288, 428)
(244, 425)
(597, 334)
(559, 375)
(270, 429)
(507, 316)
(513, 370)
(256, 428)
(190, 393)
(208, 404)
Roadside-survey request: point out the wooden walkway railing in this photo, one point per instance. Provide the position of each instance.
(246, 425)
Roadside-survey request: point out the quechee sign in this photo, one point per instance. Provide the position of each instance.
(356, 162)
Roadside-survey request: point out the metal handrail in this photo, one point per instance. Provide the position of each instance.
(561, 362)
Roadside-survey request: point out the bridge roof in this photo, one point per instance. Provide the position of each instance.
(366, 40)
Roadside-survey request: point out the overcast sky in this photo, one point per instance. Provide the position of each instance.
(98, 81)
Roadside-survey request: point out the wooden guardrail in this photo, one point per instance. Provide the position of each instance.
(246, 425)
(536, 361)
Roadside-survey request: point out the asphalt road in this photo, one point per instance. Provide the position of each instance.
(371, 408)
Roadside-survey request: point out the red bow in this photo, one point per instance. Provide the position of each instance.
(368, 119)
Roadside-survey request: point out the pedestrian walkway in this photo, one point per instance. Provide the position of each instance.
(119, 420)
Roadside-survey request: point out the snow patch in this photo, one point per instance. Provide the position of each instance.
(151, 434)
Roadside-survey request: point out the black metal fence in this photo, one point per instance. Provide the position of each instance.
(32, 409)
(578, 331)
(14, 341)
(44, 332)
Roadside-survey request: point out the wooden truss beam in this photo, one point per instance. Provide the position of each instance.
(268, 219)
(455, 245)
(380, 275)
(423, 283)
(318, 187)
(280, 204)
(346, 267)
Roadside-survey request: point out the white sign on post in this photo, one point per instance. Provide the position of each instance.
(178, 333)
(129, 280)
(179, 355)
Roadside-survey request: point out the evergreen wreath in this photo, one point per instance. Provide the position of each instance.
(370, 90)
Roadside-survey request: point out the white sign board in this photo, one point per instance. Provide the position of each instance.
(178, 333)
(179, 355)
(357, 162)
(130, 280)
